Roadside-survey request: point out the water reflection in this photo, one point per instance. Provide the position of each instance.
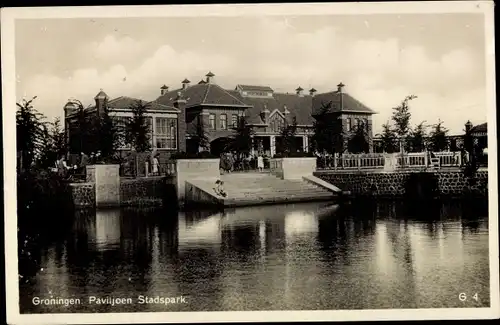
(303, 256)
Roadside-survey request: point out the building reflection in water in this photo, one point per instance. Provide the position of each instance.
(108, 229)
(303, 256)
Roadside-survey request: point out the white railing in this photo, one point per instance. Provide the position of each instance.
(376, 161)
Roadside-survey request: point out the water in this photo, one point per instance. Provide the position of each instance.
(293, 257)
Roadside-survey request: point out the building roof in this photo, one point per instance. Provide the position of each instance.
(254, 88)
(299, 107)
(209, 74)
(202, 94)
(335, 98)
(480, 128)
(125, 102)
(186, 81)
(164, 87)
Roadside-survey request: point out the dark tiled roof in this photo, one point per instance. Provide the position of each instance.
(210, 74)
(202, 94)
(480, 128)
(254, 88)
(299, 89)
(350, 104)
(202, 82)
(299, 107)
(125, 102)
(186, 81)
(164, 87)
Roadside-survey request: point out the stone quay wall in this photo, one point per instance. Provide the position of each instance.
(82, 194)
(394, 184)
(147, 191)
(133, 192)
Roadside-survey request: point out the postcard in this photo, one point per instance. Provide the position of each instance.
(257, 162)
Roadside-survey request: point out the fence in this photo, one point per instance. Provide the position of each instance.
(378, 161)
(140, 166)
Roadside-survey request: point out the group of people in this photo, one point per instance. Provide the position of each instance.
(64, 170)
(230, 163)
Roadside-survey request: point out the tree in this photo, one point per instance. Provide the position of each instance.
(328, 132)
(438, 137)
(31, 132)
(81, 131)
(389, 139)
(417, 138)
(401, 117)
(241, 141)
(201, 137)
(107, 136)
(137, 128)
(54, 144)
(359, 140)
(288, 144)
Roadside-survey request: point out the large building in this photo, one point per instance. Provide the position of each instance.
(178, 114)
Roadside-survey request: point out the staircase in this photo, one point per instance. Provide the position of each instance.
(245, 189)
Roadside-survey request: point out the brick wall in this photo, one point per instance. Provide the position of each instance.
(181, 125)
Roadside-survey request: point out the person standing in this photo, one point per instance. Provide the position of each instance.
(260, 163)
(62, 168)
(155, 165)
(84, 161)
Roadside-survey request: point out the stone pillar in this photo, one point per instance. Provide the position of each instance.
(153, 136)
(252, 148)
(305, 143)
(107, 184)
(272, 140)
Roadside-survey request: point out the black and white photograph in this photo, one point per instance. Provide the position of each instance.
(265, 162)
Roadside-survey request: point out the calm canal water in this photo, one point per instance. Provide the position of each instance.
(293, 257)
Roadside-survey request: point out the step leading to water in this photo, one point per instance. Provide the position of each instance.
(245, 189)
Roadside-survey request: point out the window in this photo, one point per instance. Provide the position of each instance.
(223, 121)
(348, 124)
(166, 133)
(211, 120)
(276, 123)
(234, 120)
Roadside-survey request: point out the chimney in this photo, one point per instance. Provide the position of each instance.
(210, 77)
(185, 83)
(299, 91)
(101, 103)
(312, 91)
(340, 86)
(163, 90)
(468, 126)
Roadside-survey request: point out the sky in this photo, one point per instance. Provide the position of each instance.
(381, 58)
